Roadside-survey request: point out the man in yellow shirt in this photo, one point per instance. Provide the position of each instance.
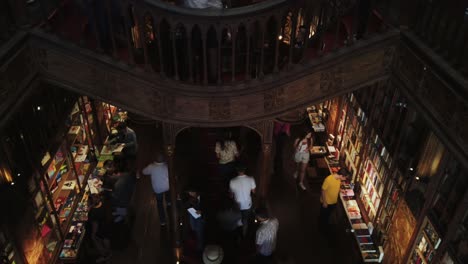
(329, 198)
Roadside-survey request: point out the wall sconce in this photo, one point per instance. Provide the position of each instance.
(280, 37)
(38, 108)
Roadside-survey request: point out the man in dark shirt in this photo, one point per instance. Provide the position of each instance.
(99, 223)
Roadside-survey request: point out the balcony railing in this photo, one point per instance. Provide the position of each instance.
(443, 27)
(208, 46)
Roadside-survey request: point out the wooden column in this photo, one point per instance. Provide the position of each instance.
(265, 171)
(169, 133)
(292, 38)
(111, 28)
(337, 29)
(127, 27)
(278, 33)
(247, 56)
(159, 37)
(219, 33)
(174, 53)
(265, 129)
(205, 56)
(233, 54)
(141, 20)
(190, 53)
(262, 48)
(18, 9)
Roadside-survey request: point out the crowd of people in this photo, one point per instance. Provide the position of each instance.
(238, 216)
(108, 221)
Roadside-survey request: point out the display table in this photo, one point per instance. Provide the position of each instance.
(362, 232)
(318, 151)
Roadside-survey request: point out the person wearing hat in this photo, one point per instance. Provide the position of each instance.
(213, 254)
(265, 237)
(242, 188)
(329, 198)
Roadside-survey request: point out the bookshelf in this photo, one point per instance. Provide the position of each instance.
(427, 242)
(62, 179)
(362, 232)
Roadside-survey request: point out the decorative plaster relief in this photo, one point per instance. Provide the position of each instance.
(331, 80)
(220, 109)
(274, 99)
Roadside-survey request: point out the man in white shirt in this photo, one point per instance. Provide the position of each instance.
(265, 238)
(160, 183)
(242, 187)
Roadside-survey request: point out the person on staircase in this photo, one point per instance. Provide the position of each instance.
(302, 156)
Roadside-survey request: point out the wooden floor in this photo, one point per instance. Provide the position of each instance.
(299, 240)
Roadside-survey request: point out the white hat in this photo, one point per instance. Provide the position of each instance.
(213, 254)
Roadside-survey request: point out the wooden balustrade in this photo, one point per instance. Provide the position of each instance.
(208, 46)
(443, 27)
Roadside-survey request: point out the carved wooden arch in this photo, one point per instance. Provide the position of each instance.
(264, 129)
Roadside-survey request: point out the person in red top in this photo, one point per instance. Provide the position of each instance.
(301, 156)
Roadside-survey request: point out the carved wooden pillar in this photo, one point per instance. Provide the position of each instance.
(169, 133)
(18, 8)
(265, 172)
(292, 38)
(277, 40)
(141, 26)
(174, 53)
(219, 36)
(247, 58)
(111, 28)
(205, 55)
(355, 14)
(262, 48)
(265, 129)
(337, 30)
(233, 58)
(158, 36)
(190, 53)
(127, 27)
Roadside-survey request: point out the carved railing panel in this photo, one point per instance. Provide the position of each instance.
(136, 91)
(443, 27)
(212, 47)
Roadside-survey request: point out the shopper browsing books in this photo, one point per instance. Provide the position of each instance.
(99, 221)
(329, 198)
(302, 156)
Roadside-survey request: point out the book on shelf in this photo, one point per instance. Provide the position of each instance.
(368, 248)
(74, 130)
(357, 226)
(370, 256)
(362, 232)
(364, 240)
(69, 185)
